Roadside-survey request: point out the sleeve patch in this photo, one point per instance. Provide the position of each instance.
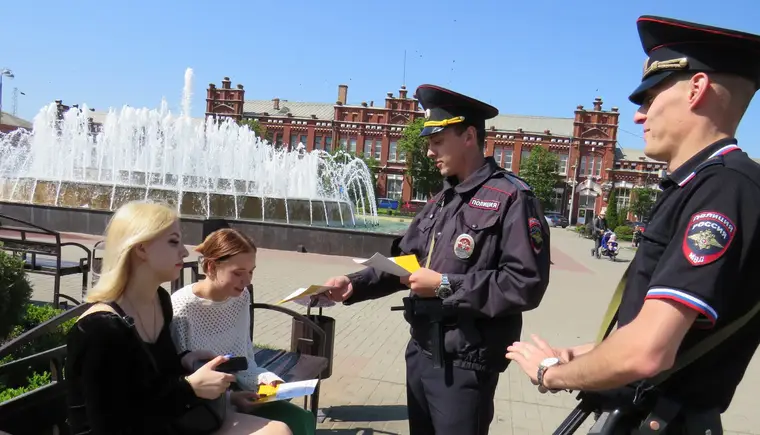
(536, 236)
(707, 237)
(707, 312)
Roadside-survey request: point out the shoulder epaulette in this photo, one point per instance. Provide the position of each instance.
(516, 180)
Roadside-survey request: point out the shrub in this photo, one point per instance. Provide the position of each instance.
(624, 233)
(15, 292)
(36, 380)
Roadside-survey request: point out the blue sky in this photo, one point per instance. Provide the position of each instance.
(538, 57)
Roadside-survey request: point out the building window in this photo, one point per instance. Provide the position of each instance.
(597, 166)
(392, 150)
(343, 142)
(303, 139)
(367, 148)
(497, 155)
(378, 149)
(556, 202)
(507, 164)
(623, 196)
(393, 186)
(584, 162)
(328, 143)
(401, 154)
(293, 140)
(317, 142)
(562, 164)
(278, 139)
(353, 145)
(524, 155)
(419, 196)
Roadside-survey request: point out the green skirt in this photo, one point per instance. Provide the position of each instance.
(299, 420)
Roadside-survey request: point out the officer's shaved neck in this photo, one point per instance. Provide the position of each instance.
(717, 103)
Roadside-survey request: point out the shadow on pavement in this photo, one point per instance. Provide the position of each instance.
(368, 413)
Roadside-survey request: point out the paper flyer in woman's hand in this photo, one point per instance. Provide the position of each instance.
(286, 391)
(400, 266)
(305, 292)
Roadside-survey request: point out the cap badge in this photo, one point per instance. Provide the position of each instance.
(464, 246)
(663, 65)
(427, 113)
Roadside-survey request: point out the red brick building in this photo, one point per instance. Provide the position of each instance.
(9, 123)
(591, 164)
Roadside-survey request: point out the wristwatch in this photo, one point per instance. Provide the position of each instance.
(444, 290)
(543, 367)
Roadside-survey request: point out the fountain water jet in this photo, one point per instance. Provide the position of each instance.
(206, 168)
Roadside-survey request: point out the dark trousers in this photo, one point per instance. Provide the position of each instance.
(449, 400)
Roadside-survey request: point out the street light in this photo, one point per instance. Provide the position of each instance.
(7, 73)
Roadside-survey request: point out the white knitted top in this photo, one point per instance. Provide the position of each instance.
(219, 327)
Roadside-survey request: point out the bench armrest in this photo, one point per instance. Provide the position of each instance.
(308, 322)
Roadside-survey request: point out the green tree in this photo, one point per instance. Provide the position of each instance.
(540, 172)
(255, 126)
(613, 217)
(642, 201)
(426, 177)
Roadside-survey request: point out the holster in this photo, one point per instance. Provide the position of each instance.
(432, 309)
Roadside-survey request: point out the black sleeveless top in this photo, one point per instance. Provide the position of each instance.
(112, 386)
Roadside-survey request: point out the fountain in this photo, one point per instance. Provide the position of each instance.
(206, 168)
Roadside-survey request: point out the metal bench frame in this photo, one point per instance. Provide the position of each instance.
(30, 249)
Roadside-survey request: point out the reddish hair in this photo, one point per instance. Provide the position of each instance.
(223, 244)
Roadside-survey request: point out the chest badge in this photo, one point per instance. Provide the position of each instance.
(464, 246)
(707, 237)
(536, 238)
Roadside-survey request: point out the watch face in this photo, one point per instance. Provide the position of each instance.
(444, 292)
(548, 362)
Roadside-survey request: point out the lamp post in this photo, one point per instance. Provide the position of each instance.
(8, 73)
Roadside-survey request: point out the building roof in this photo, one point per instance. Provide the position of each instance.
(296, 108)
(326, 111)
(633, 154)
(532, 124)
(15, 121)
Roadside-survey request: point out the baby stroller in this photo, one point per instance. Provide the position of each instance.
(608, 246)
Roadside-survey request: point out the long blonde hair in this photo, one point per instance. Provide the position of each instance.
(133, 223)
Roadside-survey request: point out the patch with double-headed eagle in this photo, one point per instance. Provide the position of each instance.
(707, 237)
(536, 237)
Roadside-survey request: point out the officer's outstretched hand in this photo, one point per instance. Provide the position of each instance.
(343, 288)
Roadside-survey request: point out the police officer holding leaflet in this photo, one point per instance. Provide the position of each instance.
(687, 318)
(484, 244)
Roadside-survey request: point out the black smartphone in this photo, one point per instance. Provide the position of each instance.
(232, 365)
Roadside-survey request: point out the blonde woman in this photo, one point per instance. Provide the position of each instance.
(127, 379)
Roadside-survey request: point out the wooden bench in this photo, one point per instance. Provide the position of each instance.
(41, 250)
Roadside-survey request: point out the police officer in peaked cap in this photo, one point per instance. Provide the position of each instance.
(687, 323)
(483, 243)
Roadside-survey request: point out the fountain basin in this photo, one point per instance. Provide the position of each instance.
(109, 197)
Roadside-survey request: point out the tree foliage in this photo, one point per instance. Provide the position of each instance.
(256, 127)
(540, 172)
(642, 201)
(613, 217)
(426, 177)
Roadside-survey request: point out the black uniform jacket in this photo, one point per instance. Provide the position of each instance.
(701, 249)
(492, 240)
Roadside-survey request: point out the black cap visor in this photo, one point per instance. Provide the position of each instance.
(638, 95)
(427, 131)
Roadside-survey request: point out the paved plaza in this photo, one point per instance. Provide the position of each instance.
(366, 394)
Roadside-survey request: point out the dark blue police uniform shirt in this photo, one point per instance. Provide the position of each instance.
(701, 250)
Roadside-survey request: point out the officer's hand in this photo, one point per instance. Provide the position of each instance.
(343, 288)
(424, 282)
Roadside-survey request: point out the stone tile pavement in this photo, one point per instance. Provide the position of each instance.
(366, 393)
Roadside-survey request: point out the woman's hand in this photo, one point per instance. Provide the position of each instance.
(190, 358)
(208, 383)
(244, 401)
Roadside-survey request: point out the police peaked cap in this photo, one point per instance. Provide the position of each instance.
(444, 108)
(674, 46)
